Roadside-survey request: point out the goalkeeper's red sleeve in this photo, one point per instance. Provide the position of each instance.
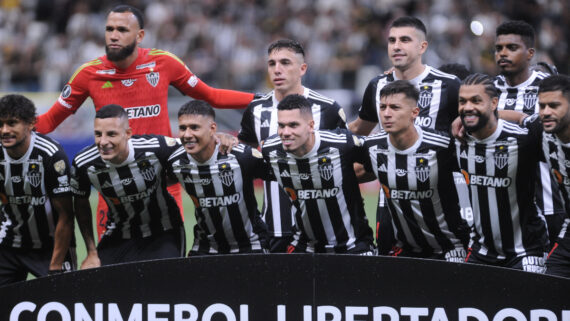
(47, 122)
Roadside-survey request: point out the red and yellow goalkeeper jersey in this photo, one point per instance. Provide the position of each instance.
(142, 89)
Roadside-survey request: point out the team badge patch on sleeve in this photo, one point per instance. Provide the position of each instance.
(59, 166)
(66, 92)
(256, 153)
(170, 141)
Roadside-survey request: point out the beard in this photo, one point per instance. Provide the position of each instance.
(483, 120)
(121, 54)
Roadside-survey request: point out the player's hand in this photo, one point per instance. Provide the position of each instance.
(91, 261)
(227, 142)
(457, 130)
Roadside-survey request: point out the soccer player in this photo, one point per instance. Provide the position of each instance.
(415, 167)
(36, 220)
(143, 220)
(286, 67)
(518, 90)
(137, 79)
(499, 161)
(554, 111)
(315, 168)
(438, 90)
(220, 185)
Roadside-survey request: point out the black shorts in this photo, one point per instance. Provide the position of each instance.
(15, 264)
(528, 263)
(558, 262)
(360, 248)
(114, 250)
(454, 255)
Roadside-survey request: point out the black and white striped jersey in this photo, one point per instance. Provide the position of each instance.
(323, 188)
(501, 172)
(557, 156)
(135, 191)
(524, 98)
(437, 102)
(419, 190)
(227, 218)
(259, 122)
(28, 219)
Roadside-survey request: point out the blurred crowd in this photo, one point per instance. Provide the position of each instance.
(42, 42)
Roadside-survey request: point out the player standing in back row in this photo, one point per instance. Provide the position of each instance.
(137, 79)
(286, 67)
(518, 90)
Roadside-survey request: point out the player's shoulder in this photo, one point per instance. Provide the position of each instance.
(435, 137)
(381, 80)
(320, 99)
(338, 135)
(244, 151)
(512, 128)
(263, 101)
(271, 142)
(148, 141)
(379, 138)
(161, 54)
(179, 153)
(47, 145)
(443, 76)
(95, 66)
(86, 155)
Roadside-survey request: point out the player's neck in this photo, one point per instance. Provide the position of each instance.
(487, 130)
(307, 147)
(205, 154)
(280, 94)
(125, 63)
(517, 79)
(404, 139)
(411, 72)
(564, 135)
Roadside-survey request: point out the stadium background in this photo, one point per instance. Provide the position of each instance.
(42, 42)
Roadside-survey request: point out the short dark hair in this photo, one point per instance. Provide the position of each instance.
(126, 8)
(292, 45)
(458, 70)
(400, 87)
(556, 83)
(408, 21)
(19, 107)
(197, 107)
(517, 27)
(112, 111)
(296, 101)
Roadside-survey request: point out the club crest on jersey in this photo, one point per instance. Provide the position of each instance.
(147, 171)
(226, 174)
(426, 95)
(326, 168)
(422, 169)
(530, 97)
(128, 82)
(153, 78)
(33, 176)
(501, 156)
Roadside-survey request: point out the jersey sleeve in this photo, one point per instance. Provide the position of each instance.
(256, 166)
(453, 99)
(72, 96)
(79, 181)
(535, 128)
(357, 147)
(247, 131)
(168, 146)
(269, 174)
(368, 108)
(341, 119)
(189, 84)
(57, 175)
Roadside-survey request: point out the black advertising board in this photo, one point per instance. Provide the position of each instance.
(289, 287)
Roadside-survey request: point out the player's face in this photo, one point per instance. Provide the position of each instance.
(112, 138)
(295, 131)
(511, 54)
(197, 134)
(554, 111)
(406, 45)
(285, 69)
(476, 107)
(397, 113)
(122, 35)
(15, 133)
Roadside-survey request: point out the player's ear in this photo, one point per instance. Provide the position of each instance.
(303, 69)
(415, 111)
(213, 126)
(530, 53)
(494, 103)
(140, 36)
(129, 133)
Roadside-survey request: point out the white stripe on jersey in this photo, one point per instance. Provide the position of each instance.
(519, 102)
(86, 156)
(45, 145)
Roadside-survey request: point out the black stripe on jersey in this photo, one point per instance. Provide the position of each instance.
(311, 208)
(503, 197)
(214, 212)
(483, 199)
